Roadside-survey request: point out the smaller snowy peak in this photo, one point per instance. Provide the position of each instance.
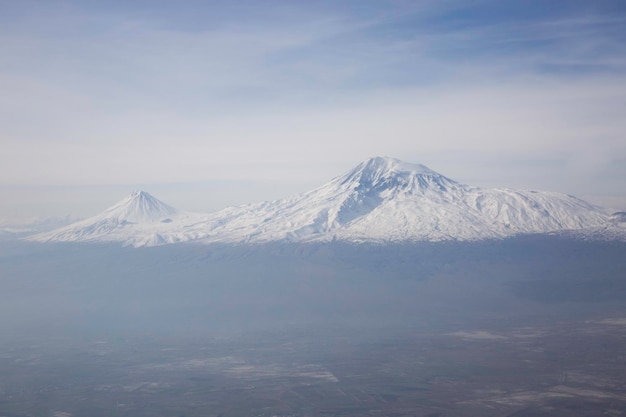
(139, 207)
(139, 220)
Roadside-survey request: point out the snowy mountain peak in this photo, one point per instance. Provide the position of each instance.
(139, 194)
(385, 164)
(139, 207)
(380, 174)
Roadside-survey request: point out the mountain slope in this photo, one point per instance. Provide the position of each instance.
(380, 200)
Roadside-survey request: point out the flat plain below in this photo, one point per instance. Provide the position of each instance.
(525, 327)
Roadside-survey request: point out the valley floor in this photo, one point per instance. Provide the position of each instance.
(533, 369)
(523, 327)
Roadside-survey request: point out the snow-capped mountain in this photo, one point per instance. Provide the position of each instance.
(384, 199)
(380, 200)
(138, 220)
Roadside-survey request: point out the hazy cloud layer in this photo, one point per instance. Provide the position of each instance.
(520, 94)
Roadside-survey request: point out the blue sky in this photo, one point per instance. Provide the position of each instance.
(283, 95)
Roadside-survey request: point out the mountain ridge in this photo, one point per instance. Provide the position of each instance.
(380, 200)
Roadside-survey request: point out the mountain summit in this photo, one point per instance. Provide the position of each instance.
(377, 168)
(135, 220)
(379, 200)
(139, 207)
(379, 174)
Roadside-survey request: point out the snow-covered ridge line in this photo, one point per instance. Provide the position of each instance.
(380, 200)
